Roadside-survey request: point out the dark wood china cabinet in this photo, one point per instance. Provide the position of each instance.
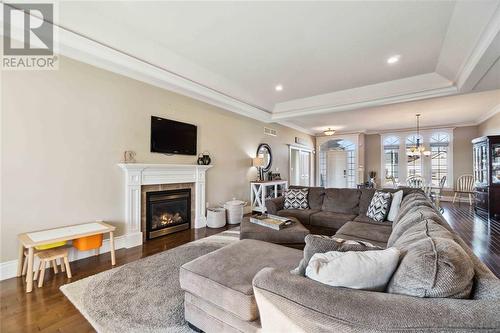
(486, 165)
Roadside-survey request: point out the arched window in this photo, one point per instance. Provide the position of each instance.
(391, 158)
(414, 162)
(439, 157)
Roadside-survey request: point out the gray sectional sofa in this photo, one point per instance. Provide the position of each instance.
(247, 286)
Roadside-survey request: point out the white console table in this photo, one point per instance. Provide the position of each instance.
(260, 191)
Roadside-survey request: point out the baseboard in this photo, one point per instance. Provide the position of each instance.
(8, 269)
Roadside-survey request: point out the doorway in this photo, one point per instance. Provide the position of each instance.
(336, 168)
(300, 166)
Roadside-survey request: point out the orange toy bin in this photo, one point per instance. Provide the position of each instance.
(88, 243)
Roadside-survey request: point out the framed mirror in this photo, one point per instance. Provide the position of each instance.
(264, 151)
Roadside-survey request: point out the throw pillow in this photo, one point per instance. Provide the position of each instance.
(296, 199)
(369, 270)
(433, 264)
(379, 206)
(395, 204)
(321, 244)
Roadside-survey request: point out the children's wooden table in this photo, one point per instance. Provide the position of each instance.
(43, 237)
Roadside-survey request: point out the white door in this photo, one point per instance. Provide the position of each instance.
(295, 170)
(305, 168)
(336, 168)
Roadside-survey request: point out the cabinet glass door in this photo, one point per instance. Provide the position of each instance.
(495, 163)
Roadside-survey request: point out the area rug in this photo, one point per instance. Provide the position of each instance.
(144, 295)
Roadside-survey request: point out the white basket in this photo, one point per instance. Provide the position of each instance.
(234, 210)
(216, 217)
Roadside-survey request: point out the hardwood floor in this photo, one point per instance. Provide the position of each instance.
(47, 309)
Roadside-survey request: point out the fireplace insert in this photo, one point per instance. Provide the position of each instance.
(167, 212)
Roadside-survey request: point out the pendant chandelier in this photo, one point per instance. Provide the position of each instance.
(329, 132)
(418, 149)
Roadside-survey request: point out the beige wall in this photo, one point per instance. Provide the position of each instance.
(373, 155)
(64, 131)
(490, 127)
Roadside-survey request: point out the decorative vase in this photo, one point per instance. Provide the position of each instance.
(206, 158)
(200, 159)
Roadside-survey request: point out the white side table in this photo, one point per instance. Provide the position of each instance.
(262, 191)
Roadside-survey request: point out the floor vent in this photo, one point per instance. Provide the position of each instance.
(270, 131)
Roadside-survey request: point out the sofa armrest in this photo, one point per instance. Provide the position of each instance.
(274, 205)
(291, 303)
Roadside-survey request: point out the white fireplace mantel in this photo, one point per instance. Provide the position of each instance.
(138, 174)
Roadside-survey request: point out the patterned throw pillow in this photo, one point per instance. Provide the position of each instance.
(321, 244)
(379, 206)
(296, 199)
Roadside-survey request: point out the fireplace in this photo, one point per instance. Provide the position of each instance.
(167, 212)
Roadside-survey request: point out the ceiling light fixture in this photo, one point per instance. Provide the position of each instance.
(279, 87)
(394, 59)
(329, 132)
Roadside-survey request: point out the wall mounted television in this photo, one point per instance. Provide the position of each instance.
(172, 137)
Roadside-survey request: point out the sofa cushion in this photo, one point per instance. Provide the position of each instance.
(331, 219)
(382, 245)
(341, 200)
(364, 218)
(414, 215)
(315, 197)
(379, 206)
(321, 244)
(365, 199)
(303, 215)
(377, 232)
(433, 264)
(367, 270)
(397, 197)
(296, 199)
(220, 278)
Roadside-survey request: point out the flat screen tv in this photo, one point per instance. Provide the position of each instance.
(172, 137)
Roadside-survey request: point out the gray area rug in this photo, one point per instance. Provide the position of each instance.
(144, 295)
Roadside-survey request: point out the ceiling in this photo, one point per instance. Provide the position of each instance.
(442, 111)
(330, 57)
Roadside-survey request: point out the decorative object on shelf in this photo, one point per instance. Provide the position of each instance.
(200, 159)
(418, 149)
(258, 162)
(329, 132)
(129, 156)
(264, 151)
(206, 158)
(234, 210)
(276, 176)
(260, 191)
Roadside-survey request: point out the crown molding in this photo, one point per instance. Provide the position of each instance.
(297, 127)
(471, 71)
(408, 97)
(495, 110)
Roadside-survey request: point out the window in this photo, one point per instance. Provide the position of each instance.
(414, 162)
(391, 158)
(439, 157)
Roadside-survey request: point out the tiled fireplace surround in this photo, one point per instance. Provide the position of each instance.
(143, 178)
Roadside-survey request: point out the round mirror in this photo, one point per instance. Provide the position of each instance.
(264, 151)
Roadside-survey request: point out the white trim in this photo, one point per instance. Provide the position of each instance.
(8, 269)
(488, 114)
(471, 64)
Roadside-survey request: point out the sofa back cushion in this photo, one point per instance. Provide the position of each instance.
(341, 200)
(432, 264)
(365, 199)
(314, 197)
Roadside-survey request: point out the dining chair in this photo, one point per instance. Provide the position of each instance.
(416, 182)
(464, 185)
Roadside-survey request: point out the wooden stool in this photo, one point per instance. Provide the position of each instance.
(25, 265)
(48, 256)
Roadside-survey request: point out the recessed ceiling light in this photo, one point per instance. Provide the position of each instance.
(394, 59)
(279, 87)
